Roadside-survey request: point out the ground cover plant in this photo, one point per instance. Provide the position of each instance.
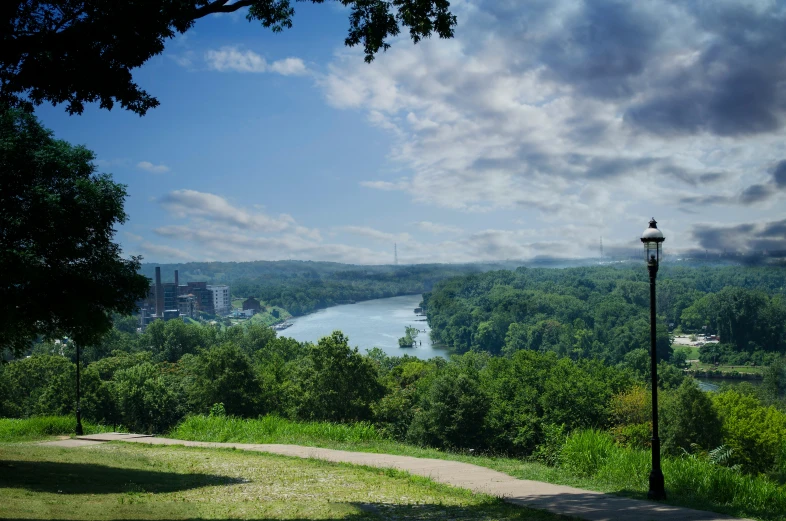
(124, 481)
(44, 426)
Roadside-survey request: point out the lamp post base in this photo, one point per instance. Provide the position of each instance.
(79, 431)
(657, 486)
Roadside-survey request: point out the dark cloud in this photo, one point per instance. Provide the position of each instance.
(775, 229)
(745, 237)
(736, 85)
(712, 177)
(704, 200)
(779, 174)
(604, 46)
(756, 194)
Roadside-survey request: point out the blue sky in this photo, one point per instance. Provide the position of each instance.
(541, 127)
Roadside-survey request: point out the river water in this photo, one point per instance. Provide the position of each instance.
(372, 323)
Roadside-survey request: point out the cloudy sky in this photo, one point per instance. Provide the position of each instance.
(541, 127)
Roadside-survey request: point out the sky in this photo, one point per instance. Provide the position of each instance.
(541, 127)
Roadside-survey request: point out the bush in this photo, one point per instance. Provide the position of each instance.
(586, 451)
(755, 433)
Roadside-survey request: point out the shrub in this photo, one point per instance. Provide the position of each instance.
(586, 451)
(636, 435)
(754, 432)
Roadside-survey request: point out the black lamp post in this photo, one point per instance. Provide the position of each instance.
(79, 430)
(653, 239)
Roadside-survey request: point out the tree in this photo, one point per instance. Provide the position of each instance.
(689, 418)
(61, 273)
(81, 51)
(338, 383)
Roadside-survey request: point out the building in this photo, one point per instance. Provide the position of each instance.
(252, 304)
(168, 300)
(186, 305)
(221, 301)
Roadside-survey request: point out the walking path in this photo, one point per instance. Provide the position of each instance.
(559, 499)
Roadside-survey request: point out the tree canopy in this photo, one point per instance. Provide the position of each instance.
(82, 51)
(62, 274)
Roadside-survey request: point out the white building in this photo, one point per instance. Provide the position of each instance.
(221, 301)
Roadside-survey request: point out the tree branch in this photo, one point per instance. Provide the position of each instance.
(221, 6)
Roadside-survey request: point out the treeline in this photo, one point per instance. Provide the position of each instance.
(522, 405)
(304, 286)
(304, 292)
(603, 312)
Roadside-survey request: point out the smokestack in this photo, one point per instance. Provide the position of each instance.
(176, 282)
(159, 293)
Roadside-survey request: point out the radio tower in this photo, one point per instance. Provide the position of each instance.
(601, 248)
(395, 254)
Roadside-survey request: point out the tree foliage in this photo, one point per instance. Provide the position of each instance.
(62, 274)
(82, 51)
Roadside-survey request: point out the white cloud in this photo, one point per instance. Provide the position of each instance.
(437, 228)
(377, 235)
(524, 111)
(162, 252)
(289, 67)
(385, 185)
(233, 59)
(150, 167)
(214, 209)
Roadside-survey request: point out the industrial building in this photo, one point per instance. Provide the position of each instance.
(168, 300)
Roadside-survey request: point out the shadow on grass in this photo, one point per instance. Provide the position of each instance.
(86, 478)
(371, 511)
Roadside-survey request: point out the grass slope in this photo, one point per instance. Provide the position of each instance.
(690, 482)
(118, 481)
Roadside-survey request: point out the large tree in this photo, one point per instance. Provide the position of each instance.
(79, 51)
(61, 273)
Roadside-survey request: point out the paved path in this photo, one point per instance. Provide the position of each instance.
(559, 499)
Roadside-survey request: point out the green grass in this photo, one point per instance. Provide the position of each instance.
(125, 481)
(607, 468)
(12, 430)
(271, 429)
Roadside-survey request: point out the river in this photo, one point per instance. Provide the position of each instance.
(371, 323)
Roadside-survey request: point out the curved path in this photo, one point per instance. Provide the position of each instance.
(558, 499)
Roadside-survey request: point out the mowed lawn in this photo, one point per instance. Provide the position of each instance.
(119, 481)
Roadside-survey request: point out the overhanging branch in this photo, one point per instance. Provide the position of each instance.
(221, 6)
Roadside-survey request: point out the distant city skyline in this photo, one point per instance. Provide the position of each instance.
(540, 128)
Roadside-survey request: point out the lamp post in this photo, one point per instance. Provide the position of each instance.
(653, 239)
(79, 430)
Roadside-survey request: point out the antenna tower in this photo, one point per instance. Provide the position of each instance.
(601, 248)
(395, 254)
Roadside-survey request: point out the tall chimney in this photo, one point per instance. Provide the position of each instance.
(176, 282)
(159, 294)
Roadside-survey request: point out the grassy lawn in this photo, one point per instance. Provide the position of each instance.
(124, 481)
(744, 496)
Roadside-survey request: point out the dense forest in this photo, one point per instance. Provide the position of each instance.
(603, 312)
(304, 286)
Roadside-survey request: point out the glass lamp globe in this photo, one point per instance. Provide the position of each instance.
(652, 238)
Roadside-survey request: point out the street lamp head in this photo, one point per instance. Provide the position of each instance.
(652, 238)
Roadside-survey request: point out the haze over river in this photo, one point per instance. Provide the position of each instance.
(372, 323)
